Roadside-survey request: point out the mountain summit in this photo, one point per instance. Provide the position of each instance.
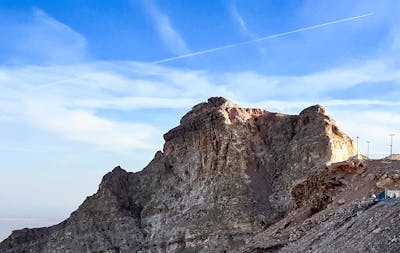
(225, 174)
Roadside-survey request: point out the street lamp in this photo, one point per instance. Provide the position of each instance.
(391, 145)
(368, 142)
(358, 152)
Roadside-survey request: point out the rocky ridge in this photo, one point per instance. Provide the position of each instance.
(336, 213)
(226, 174)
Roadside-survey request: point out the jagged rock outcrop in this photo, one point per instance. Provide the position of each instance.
(225, 174)
(336, 213)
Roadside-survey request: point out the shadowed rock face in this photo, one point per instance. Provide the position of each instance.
(335, 213)
(225, 174)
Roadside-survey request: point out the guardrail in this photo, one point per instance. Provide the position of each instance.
(382, 156)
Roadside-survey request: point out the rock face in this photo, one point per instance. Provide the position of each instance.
(226, 173)
(335, 213)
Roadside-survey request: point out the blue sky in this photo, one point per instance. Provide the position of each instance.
(80, 94)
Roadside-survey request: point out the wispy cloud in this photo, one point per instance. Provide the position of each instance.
(240, 21)
(134, 103)
(42, 39)
(314, 86)
(211, 50)
(296, 105)
(66, 99)
(168, 34)
(372, 125)
(84, 126)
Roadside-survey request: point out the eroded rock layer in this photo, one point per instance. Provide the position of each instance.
(337, 213)
(225, 174)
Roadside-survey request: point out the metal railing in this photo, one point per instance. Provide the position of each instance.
(382, 156)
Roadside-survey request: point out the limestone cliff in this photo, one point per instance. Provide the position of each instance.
(225, 174)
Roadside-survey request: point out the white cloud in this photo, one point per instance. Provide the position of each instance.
(244, 28)
(3, 118)
(83, 126)
(317, 85)
(169, 35)
(371, 125)
(65, 99)
(240, 21)
(129, 103)
(43, 39)
(295, 105)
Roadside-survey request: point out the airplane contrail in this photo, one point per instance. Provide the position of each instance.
(259, 39)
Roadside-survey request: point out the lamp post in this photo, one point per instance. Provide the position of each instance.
(391, 145)
(368, 142)
(358, 151)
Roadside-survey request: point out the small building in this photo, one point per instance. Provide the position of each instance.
(388, 194)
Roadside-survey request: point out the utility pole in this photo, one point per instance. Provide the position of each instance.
(368, 142)
(391, 145)
(358, 151)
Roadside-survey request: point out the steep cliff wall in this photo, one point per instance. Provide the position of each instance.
(225, 174)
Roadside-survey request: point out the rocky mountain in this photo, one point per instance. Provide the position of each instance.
(229, 179)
